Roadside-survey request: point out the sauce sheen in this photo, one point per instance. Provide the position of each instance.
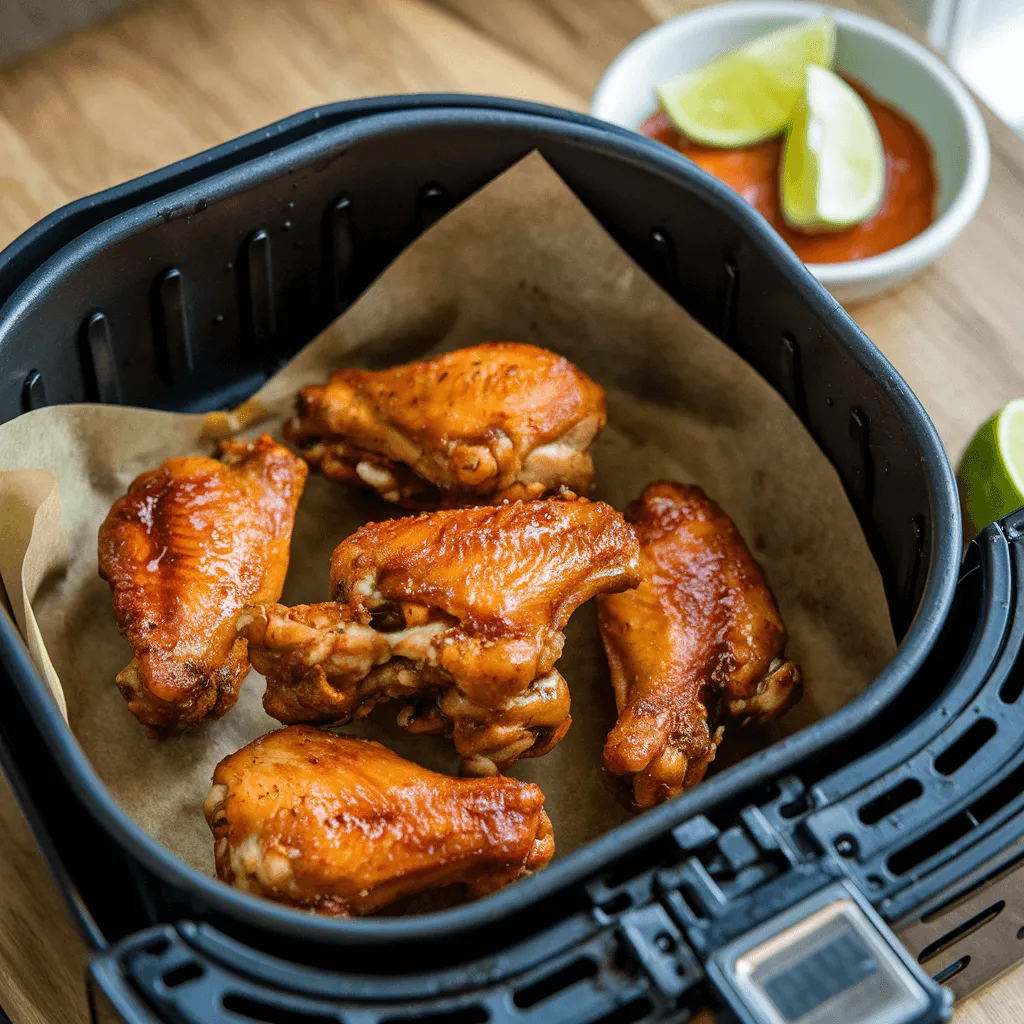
(754, 172)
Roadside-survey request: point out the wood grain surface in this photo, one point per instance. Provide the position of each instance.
(170, 77)
(26, 25)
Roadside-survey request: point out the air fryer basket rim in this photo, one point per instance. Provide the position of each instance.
(447, 113)
(28, 251)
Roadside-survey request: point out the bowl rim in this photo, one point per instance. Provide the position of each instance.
(922, 248)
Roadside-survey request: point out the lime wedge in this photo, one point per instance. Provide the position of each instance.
(833, 165)
(991, 472)
(749, 94)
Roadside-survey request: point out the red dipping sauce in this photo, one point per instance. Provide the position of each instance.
(754, 171)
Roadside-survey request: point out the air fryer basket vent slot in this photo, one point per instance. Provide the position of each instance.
(663, 260)
(463, 1015)
(791, 382)
(986, 880)
(800, 804)
(434, 202)
(1013, 686)
(947, 974)
(99, 361)
(182, 974)
(987, 806)
(861, 485)
(157, 947)
(890, 802)
(33, 391)
(268, 1013)
(931, 843)
(990, 803)
(551, 984)
(342, 249)
(619, 902)
(732, 289)
(914, 568)
(958, 753)
(172, 332)
(259, 283)
(968, 927)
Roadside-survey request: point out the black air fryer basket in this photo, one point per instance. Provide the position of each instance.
(829, 877)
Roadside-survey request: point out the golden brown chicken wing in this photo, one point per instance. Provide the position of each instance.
(700, 639)
(478, 425)
(186, 548)
(461, 610)
(345, 826)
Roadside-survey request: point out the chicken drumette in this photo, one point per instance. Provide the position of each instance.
(189, 546)
(478, 425)
(700, 640)
(344, 826)
(461, 611)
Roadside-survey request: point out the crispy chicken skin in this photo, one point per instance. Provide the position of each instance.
(699, 640)
(188, 547)
(475, 426)
(459, 611)
(344, 826)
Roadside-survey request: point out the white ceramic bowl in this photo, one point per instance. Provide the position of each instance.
(894, 67)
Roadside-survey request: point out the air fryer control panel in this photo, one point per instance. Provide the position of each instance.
(823, 960)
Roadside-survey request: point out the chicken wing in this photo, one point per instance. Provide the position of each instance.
(461, 612)
(478, 425)
(344, 826)
(188, 547)
(699, 640)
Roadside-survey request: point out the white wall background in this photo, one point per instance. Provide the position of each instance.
(984, 41)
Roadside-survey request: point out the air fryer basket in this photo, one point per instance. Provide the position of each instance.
(907, 799)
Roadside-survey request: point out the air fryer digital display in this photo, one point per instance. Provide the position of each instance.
(841, 962)
(822, 962)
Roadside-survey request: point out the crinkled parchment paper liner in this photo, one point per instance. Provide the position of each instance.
(521, 260)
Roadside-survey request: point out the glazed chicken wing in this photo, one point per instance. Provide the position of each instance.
(188, 547)
(478, 425)
(460, 611)
(699, 640)
(344, 826)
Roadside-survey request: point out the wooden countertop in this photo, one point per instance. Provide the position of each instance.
(171, 77)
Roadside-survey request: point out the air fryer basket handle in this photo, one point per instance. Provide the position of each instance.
(830, 948)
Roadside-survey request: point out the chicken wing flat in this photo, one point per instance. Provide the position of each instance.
(475, 426)
(188, 547)
(344, 826)
(698, 641)
(461, 612)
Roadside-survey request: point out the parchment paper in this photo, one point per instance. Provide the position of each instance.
(520, 260)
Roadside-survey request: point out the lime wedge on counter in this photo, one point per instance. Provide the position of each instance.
(749, 94)
(991, 472)
(833, 165)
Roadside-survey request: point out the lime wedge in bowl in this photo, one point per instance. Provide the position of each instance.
(833, 165)
(749, 94)
(991, 474)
